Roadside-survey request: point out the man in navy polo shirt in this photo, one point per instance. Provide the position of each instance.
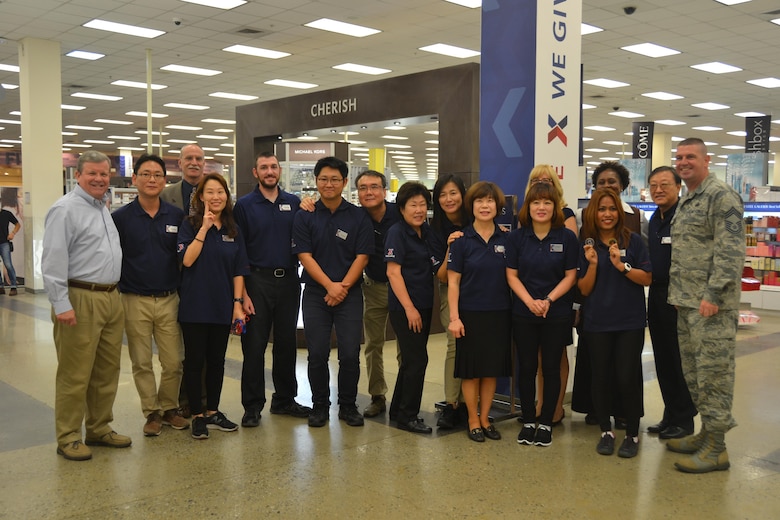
(272, 293)
(148, 228)
(333, 243)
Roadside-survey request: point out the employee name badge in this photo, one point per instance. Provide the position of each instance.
(226, 238)
(666, 240)
(171, 229)
(285, 207)
(341, 234)
(499, 248)
(622, 253)
(556, 248)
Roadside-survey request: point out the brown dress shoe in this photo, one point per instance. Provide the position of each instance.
(153, 426)
(75, 450)
(174, 420)
(111, 439)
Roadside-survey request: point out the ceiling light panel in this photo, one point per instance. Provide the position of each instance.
(186, 106)
(256, 51)
(606, 83)
(348, 29)
(84, 55)
(586, 29)
(361, 69)
(101, 97)
(290, 84)
(190, 70)
(228, 95)
(765, 82)
(710, 106)
(663, 96)
(137, 84)
(219, 4)
(651, 50)
(120, 28)
(450, 50)
(716, 67)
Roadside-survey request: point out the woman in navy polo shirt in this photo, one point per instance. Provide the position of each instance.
(449, 219)
(480, 305)
(613, 268)
(215, 262)
(410, 268)
(541, 268)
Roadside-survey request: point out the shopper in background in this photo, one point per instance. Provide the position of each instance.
(613, 269)
(192, 162)
(372, 190)
(333, 244)
(449, 219)
(679, 410)
(410, 272)
(541, 268)
(215, 262)
(81, 265)
(544, 173)
(6, 243)
(272, 293)
(479, 305)
(708, 252)
(148, 229)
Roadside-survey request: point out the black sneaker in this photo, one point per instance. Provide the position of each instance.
(448, 418)
(526, 435)
(629, 448)
(319, 416)
(543, 436)
(251, 418)
(199, 429)
(606, 445)
(350, 415)
(218, 421)
(292, 408)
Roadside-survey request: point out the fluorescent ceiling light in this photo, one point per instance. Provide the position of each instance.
(224, 131)
(598, 128)
(130, 30)
(13, 141)
(663, 96)
(191, 70)
(432, 132)
(586, 28)
(9, 86)
(186, 106)
(113, 122)
(738, 133)
(183, 127)
(15, 113)
(181, 141)
(400, 137)
(133, 148)
(615, 143)
(256, 51)
(102, 97)
(227, 145)
(72, 107)
(776, 21)
(733, 147)
(228, 95)
(710, 106)
(450, 50)
(207, 149)
(596, 150)
(72, 145)
(765, 82)
(205, 136)
(143, 114)
(97, 141)
(124, 137)
(307, 138)
(651, 50)
(290, 84)
(669, 122)
(153, 132)
(361, 69)
(219, 121)
(749, 114)
(219, 4)
(472, 4)
(326, 24)
(391, 145)
(606, 83)
(84, 55)
(625, 153)
(716, 67)
(9, 68)
(80, 127)
(732, 2)
(626, 114)
(707, 128)
(69, 133)
(10, 122)
(137, 84)
(586, 106)
(394, 127)
(433, 141)
(400, 152)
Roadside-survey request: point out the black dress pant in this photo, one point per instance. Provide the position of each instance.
(204, 344)
(413, 346)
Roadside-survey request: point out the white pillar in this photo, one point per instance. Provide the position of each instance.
(662, 150)
(40, 99)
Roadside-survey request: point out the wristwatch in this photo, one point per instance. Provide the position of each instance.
(627, 268)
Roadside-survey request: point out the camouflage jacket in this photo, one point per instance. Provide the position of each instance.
(708, 247)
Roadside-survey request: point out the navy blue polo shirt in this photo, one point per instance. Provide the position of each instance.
(439, 238)
(206, 294)
(413, 253)
(267, 228)
(149, 261)
(376, 262)
(616, 303)
(482, 267)
(541, 265)
(660, 243)
(333, 239)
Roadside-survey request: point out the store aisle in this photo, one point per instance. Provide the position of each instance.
(285, 469)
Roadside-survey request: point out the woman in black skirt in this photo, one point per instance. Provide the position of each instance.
(480, 304)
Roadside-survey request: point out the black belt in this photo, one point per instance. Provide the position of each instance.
(276, 272)
(163, 294)
(100, 287)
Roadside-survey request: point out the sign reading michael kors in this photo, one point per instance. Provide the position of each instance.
(339, 106)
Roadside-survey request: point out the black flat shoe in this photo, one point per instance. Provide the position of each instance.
(476, 435)
(658, 428)
(591, 419)
(674, 432)
(491, 433)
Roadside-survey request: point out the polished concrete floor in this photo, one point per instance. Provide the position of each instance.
(284, 469)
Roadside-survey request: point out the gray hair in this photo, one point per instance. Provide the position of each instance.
(92, 156)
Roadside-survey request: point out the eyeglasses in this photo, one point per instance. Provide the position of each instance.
(541, 180)
(664, 186)
(335, 181)
(146, 176)
(372, 187)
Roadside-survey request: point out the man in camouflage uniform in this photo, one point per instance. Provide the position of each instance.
(708, 252)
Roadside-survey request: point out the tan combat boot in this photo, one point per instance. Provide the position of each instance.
(688, 445)
(712, 456)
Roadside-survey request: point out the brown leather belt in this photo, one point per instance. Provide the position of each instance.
(100, 287)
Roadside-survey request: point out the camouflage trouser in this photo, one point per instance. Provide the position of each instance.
(707, 349)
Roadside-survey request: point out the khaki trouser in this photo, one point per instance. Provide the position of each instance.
(147, 317)
(452, 391)
(374, 326)
(88, 364)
